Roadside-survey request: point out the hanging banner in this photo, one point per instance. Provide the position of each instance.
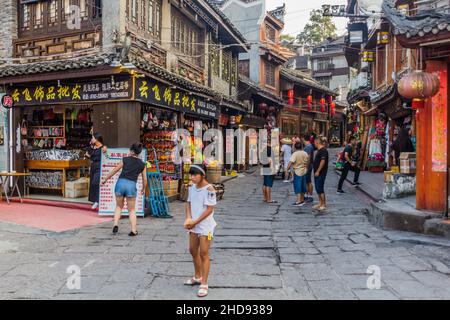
(107, 203)
(155, 93)
(440, 128)
(117, 88)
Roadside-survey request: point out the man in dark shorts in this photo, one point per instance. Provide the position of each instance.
(320, 167)
(350, 164)
(309, 149)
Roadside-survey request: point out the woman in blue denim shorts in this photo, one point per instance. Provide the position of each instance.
(131, 167)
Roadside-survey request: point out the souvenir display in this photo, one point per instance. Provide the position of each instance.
(157, 127)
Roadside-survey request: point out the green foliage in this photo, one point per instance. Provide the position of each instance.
(317, 29)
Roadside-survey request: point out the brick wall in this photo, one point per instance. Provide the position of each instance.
(8, 30)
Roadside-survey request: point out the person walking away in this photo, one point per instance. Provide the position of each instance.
(200, 223)
(300, 162)
(126, 186)
(403, 143)
(268, 172)
(350, 164)
(320, 167)
(309, 149)
(94, 153)
(286, 153)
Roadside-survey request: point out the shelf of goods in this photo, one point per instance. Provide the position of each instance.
(52, 174)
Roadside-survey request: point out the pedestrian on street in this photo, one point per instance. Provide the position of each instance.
(300, 162)
(131, 167)
(350, 163)
(286, 153)
(200, 223)
(268, 173)
(309, 149)
(94, 153)
(320, 167)
(403, 143)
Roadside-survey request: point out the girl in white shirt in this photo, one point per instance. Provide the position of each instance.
(200, 223)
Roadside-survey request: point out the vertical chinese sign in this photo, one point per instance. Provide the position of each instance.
(107, 203)
(439, 126)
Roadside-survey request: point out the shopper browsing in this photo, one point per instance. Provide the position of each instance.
(320, 167)
(300, 162)
(309, 149)
(200, 223)
(126, 186)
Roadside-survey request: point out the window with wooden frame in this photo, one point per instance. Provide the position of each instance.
(244, 67)
(214, 59)
(226, 65)
(186, 38)
(271, 33)
(234, 70)
(145, 15)
(381, 66)
(270, 70)
(53, 12)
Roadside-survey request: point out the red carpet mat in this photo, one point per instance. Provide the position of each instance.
(48, 217)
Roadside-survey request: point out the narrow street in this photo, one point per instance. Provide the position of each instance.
(261, 252)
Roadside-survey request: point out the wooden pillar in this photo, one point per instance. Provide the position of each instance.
(432, 144)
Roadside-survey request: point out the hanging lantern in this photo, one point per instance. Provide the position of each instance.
(418, 86)
(332, 108)
(383, 37)
(368, 56)
(322, 104)
(309, 100)
(290, 95)
(262, 106)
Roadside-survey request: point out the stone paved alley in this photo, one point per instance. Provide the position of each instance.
(260, 252)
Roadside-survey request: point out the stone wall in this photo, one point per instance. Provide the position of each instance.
(8, 29)
(401, 185)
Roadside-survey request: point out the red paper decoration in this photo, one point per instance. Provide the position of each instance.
(322, 104)
(309, 100)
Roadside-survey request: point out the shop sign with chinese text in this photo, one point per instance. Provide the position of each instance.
(158, 94)
(109, 89)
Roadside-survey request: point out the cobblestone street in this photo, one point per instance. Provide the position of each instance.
(261, 252)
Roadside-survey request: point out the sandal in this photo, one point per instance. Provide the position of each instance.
(203, 291)
(193, 281)
(317, 206)
(273, 201)
(133, 234)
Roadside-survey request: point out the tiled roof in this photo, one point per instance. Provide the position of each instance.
(84, 62)
(227, 21)
(261, 91)
(304, 80)
(419, 25)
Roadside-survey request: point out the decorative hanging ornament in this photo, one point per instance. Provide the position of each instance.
(332, 108)
(418, 86)
(309, 100)
(322, 104)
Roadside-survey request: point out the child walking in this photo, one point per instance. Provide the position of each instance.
(200, 223)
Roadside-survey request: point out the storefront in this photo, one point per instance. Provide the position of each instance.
(55, 121)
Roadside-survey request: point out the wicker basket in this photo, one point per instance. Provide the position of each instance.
(214, 175)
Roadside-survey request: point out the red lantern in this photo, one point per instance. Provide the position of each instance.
(291, 101)
(322, 105)
(290, 94)
(418, 86)
(309, 100)
(333, 108)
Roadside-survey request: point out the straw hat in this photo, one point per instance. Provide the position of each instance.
(286, 141)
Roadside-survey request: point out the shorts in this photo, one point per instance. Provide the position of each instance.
(308, 176)
(268, 181)
(125, 188)
(299, 184)
(319, 183)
